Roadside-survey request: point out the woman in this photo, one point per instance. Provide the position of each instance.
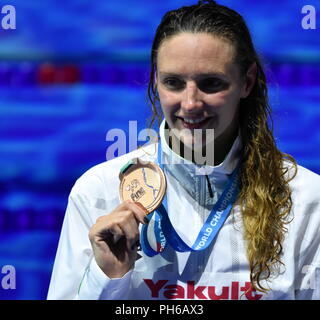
(205, 75)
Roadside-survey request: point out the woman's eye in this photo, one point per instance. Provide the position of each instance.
(211, 85)
(173, 83)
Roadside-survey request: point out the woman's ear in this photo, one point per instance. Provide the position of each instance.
(250, 80)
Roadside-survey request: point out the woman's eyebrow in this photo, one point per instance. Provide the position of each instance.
(198, 76)
(201, 76)
(170, 74)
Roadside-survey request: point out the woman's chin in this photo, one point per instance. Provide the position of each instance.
(193, 144)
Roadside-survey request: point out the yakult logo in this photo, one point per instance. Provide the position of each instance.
(234, 291)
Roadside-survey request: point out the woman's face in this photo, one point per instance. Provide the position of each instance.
(199, 86)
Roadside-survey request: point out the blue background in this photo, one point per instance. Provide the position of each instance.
(72, 70)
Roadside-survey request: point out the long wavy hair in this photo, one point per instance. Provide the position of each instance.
(265, 196)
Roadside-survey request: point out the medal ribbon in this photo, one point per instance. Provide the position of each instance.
(165, 232)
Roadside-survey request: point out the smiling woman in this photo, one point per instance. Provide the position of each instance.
(249, 225)
(200, 86)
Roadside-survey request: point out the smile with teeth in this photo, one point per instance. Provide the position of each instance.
(193, 121)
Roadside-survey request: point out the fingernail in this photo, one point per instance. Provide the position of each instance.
(142, 207)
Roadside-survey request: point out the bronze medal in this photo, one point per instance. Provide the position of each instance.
(143, 182)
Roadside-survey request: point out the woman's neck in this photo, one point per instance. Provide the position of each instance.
(221, 146)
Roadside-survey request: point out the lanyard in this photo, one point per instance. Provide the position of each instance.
(164, 232)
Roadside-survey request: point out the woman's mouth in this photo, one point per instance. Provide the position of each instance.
(194, 123)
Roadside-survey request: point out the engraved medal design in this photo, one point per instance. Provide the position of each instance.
(143, 182)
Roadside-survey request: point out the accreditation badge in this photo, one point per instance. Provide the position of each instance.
(143, 182)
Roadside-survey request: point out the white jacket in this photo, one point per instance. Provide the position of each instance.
(219, 272)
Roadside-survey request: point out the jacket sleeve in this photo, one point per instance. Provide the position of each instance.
(308, 268)
(75, 272)
(95, 285)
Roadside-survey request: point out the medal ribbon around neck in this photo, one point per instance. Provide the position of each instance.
(164, 232)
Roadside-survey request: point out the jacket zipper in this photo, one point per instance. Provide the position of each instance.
(209, 187)
(202, 204)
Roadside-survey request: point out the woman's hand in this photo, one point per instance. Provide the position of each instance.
(114, 238)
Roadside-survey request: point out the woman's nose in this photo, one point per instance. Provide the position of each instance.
(191, 99)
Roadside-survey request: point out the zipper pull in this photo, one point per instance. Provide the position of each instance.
(209, 187)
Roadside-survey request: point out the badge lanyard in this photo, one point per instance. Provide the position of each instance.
(165, 233)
